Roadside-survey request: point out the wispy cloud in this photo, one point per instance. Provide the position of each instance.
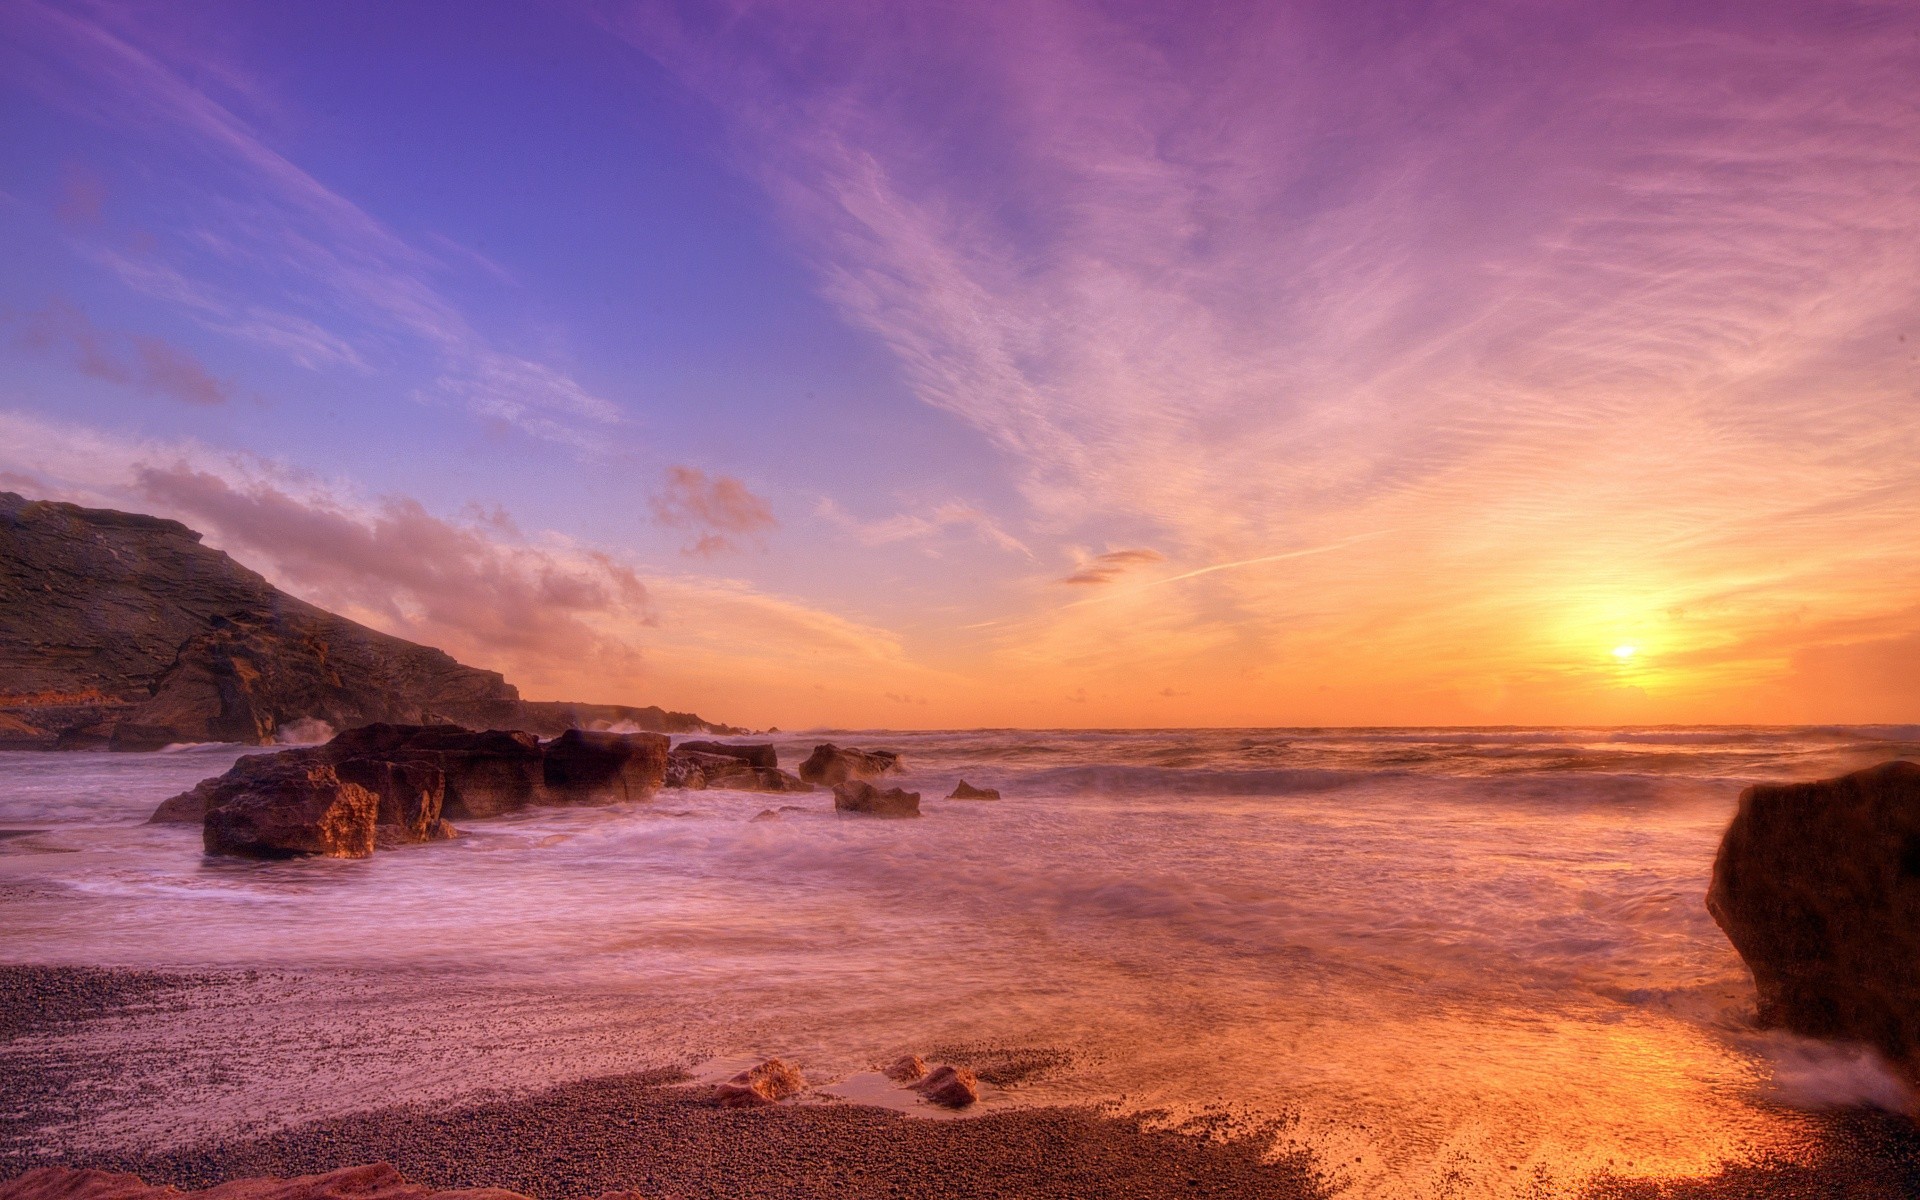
(952, 516)
(143, 362)
(364, 284)
(720, 510)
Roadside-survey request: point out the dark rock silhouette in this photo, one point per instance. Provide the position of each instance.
(696, 770)
(1817, 885)
(754, 754)
(859, 796)
(604, 768)
(832, 765)
(123, 631)
(967, 792)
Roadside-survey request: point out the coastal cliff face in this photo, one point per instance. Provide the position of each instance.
(123, 631)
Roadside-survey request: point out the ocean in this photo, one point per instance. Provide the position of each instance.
(1440, 961)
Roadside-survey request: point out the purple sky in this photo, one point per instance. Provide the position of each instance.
(1006, 364)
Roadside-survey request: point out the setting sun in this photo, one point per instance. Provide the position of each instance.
(1624, 653)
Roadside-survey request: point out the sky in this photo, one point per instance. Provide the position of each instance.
(874, 365)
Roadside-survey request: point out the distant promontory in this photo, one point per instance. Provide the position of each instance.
(122, 631)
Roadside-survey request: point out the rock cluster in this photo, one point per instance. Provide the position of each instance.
(833, 765)
(859, 796)
(392, 785)
(123, 631)
(741, 767)
(1817, 885)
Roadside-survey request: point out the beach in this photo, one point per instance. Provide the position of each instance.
(1270, 974)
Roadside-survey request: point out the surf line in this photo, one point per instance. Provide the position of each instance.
(1228, 566)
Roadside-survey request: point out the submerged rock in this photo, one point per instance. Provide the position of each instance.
(298, 807)
(1817, 885)
(375, 1182)
(833, 765)
(950, 1087)
(965, 791)
(768, 1083)
(906, 1069)
(754, 754)
(858, 796)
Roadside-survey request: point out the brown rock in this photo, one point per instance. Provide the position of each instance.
(906, 1069)
(833, 765)
(754, 754)
(697, 770)
(298, 807)
(858, 796)
(950, 1087)
(966, 792)
(769, 1083)
(376, 1182)
(1817, 885)
(486, 772)
(604, 768)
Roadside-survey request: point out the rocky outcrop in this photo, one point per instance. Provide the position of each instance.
(965, 791)
(754, 754)
(376, 1182)
(395, 785)
(768, 1083)
(833, 765)
(1817, 885)
(123, 631)
(949, 1087)
(291, 808)
(859, 796)
(696, 771)
(906, 1069)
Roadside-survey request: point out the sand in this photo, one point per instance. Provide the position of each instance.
(652, 1133)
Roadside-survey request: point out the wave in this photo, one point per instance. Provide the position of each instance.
(1142, 781)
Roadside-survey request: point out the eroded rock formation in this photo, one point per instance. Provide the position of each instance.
(859, 796)
(833, 765)
(1817, 885)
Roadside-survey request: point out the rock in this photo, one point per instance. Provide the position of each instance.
(696, 770)
(832, 765)
(950, 1087)
(754, 754)
(769, 1083)
(966, 792)
(1817, 885)
(858, 796)
(605, 768)
(487, 772)
(123, 631)
(376, 1182)
(299, 807)
(906, 1069)
(765, 814)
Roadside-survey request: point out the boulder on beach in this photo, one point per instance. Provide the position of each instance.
(949, 1087)
(697, 770)
(833, 765)
(966, 791)
(768, 1083)
(754, 754)
(1817, 885)
(604, 768)
(859, 796)
(486, 772)
(906, 1068)
(377, 1181)
(296, 807)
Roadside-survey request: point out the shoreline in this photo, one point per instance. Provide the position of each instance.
(653, 1133)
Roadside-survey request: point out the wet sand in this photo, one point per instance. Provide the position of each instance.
(652, 1133)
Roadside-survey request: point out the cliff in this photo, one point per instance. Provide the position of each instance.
(124, 631)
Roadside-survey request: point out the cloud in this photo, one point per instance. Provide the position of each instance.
(719, 509)
(1105, 568)
(149, 364)
(903, 527)
(363, 288)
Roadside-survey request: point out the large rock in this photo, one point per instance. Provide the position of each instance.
(123, 631)
(375, 1182)
(966, 791)
(859, 796)
(754, 754)
(695, 770)
(487, 772)
(296, 807)
(1817, 885)
(768, 1083)
(605, 768)
(833, 765)
(949, 1087)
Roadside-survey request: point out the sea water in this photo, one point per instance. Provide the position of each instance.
(1435, 959)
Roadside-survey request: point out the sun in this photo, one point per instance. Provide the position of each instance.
(1625, 652)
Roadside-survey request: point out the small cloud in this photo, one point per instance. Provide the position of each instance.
(152, 365)
(83, 197)
(1169, 693)
(720, 508)
(1105, 568)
